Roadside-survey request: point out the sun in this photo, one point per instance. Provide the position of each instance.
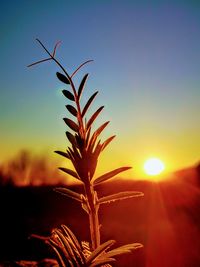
(153, 166)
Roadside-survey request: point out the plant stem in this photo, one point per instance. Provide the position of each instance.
(93, 216)
(89, 189)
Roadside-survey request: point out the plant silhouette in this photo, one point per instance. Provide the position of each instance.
(83, 151)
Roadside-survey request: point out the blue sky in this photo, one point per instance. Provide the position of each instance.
(146, 67)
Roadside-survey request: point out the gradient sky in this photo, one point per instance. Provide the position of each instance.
(146, 67)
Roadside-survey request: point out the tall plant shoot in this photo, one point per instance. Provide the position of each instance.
(84, 149)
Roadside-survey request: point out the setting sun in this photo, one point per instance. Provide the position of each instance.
(153, 166)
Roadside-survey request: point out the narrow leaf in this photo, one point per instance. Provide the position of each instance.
(76, 153)
(87, 137)
(66, 248)
(71, 236)
(70, 247)
(71, 138)
(101, 128)
(88, 103)
(102, 262)
(71, 124)
(82, 85)
(68, 95)
(102, 248)
(62, 78)
(69, 193)
(97, 133)
(70, 172)
(71, 156)
(80, 141)
(106, 142)
(94, 116)
(110, 174)
(97, 149)
(72, 110)
(62, 154)
(59, 258)
(123, 249)
(58, 246)
(120, 196)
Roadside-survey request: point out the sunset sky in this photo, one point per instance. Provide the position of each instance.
(146, 67)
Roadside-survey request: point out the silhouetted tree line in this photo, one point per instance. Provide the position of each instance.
(27, 169)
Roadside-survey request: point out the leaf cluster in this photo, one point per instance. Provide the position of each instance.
(70, 252)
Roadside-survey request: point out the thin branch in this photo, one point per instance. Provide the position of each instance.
(71, 83)
(38, 62)
(44, 47)
(84, 63)
(54, 51)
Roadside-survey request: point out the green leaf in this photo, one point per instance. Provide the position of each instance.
(93, 118)
(69, 193)
(88, 104)
(62, 154)
(101, 249)
(106, 142)
(82, 85)
(72, 110)
(71, 124)
(70, 172)
(68, 95)
(102, 262)
(62, 78)
(120, 196)
(109, 175)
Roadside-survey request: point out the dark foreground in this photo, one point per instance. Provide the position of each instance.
(166, 221)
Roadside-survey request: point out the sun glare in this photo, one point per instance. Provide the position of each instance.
(153, 166)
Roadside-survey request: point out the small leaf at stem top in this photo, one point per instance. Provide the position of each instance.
(68, 95)
(72, 110)
(93, 118)
(88, 104)
(71, 124)
(62, 78)
(107, 142)
(82, 85)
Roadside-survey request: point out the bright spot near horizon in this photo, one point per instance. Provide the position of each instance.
(153, 166)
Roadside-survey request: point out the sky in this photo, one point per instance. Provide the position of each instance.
(146, 68)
